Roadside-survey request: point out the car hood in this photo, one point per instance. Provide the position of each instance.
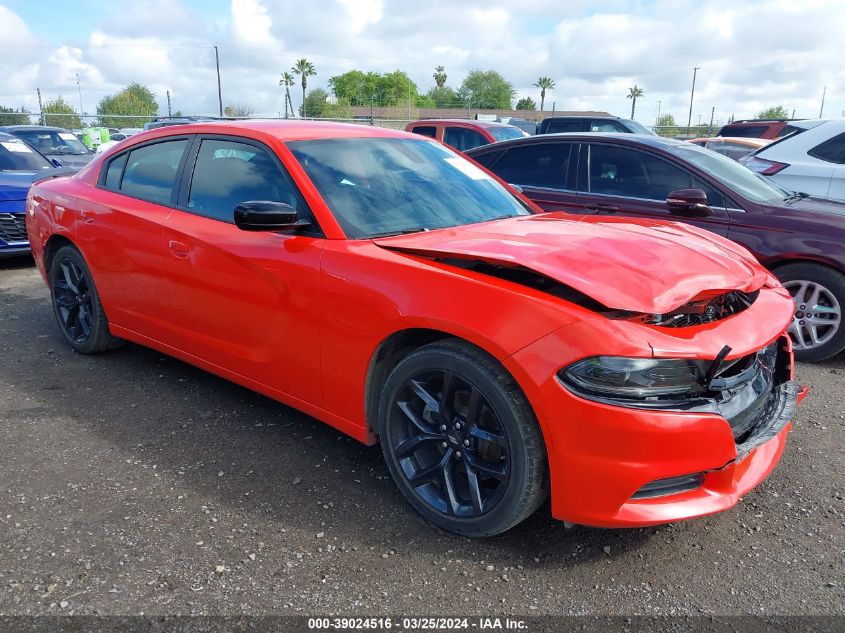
(818, 205)
(77, 161)
(623, 263)
(14, 185)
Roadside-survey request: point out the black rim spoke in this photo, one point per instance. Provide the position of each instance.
(450, 443)
(73, 301)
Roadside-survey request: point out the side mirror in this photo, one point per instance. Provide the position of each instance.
(688, 202)
(265, 215)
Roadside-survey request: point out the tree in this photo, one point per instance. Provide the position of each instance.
(136, 99)
(773, 112)
(634, 94)
(304, 69)
(444, 97)
(9, 116)
(544, 83)
(239, 111)
(666, 125)
(287, 81)
(486, 90)
(440, 76)
(358, 88)
(318, 106)
(526, 103)
(61, 114)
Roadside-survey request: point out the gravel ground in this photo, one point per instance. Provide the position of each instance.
(133, 483)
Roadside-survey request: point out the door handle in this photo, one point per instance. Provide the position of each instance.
(87, 216)
(602, 208)
(180, 249)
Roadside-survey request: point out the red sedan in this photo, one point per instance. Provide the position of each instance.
(636, 370)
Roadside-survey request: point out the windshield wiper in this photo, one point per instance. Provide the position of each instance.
(796, 195)
(418, 229)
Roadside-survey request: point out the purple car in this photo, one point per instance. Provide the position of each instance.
(801, 239)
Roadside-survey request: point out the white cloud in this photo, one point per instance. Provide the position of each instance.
(751, 54)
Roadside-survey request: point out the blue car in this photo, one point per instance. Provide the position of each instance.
(20, 166)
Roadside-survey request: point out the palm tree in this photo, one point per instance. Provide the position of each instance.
(287, 81)
(633, 94)
(440, 76)
(544, 83)
(304, 69)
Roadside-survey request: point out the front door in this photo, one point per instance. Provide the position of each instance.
(248, 302)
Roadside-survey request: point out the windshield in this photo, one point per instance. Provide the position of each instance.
(53, 141)
(380, 186)
(506, 133)
(15, 155)
(730, 173)
(636, 128)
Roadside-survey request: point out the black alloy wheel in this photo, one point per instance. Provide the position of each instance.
(77, 305)
(461, 440)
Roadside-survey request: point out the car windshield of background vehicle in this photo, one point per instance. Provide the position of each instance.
(15, 155)
(636, 128)
(506, 133)
(51, 142)
(730, 173)
(380, 186)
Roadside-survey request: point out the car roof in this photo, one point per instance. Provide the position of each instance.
(742, 140)
(283, 130)
(464, 121)
(585, 116)
(47, 128)
(649, 140)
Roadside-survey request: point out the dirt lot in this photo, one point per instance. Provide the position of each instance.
(131, 482)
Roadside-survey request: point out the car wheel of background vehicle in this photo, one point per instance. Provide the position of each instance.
(461, 440)
(819, 296)
(76, 304)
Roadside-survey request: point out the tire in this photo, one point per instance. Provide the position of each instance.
(826, 287)
(76, 304)
(455, 423)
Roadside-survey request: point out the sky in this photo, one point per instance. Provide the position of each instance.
(751, 54)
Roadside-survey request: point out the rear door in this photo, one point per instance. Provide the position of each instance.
(248, 302)
(623, 180)
(544, 171)
(120, 228)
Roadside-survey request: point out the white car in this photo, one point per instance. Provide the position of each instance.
(810, 160)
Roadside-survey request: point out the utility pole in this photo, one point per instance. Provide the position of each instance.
(372, 104)
(554, 103)
(79, 87)
(710, 127)
(41, 119)
(821, 110)
(691, 95)
(219, 92)
(657, 118)
(168, 103)
(409, 98)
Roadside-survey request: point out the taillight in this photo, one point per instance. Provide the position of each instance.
(764, 167)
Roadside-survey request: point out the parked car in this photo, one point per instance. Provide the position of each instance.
(800, 238)
(129, 131)
(758, 128)
(526, 125)
(54, 143)
(384, 284)
(20, 165)
(732, 147)
(557, 124)
(812, 159)
(464, 134)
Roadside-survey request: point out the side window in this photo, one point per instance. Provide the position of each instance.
(425, 130)
(605, 126)
(487, 159)
(575, 125)
(619, 171)
(114, 172)
(832, 150)
(150, 171)
(714, 197)
(537, 165)
(462, 138)
(227, 173)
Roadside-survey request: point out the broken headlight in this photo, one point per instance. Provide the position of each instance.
(633, 378)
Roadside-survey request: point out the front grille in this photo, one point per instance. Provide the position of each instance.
(13, 227)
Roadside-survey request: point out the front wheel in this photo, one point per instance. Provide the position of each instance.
(76, 304)
(461, 440)
(818, 293)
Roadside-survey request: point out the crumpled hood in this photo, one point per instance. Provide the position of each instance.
(623, 263)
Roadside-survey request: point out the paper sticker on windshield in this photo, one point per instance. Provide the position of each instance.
(467, 168)
(21, 147)
(67, 136)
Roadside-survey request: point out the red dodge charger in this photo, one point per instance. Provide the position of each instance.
(637, 371)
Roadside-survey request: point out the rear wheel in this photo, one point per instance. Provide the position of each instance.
(818, 293)
(461, 440)
(76, 304)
